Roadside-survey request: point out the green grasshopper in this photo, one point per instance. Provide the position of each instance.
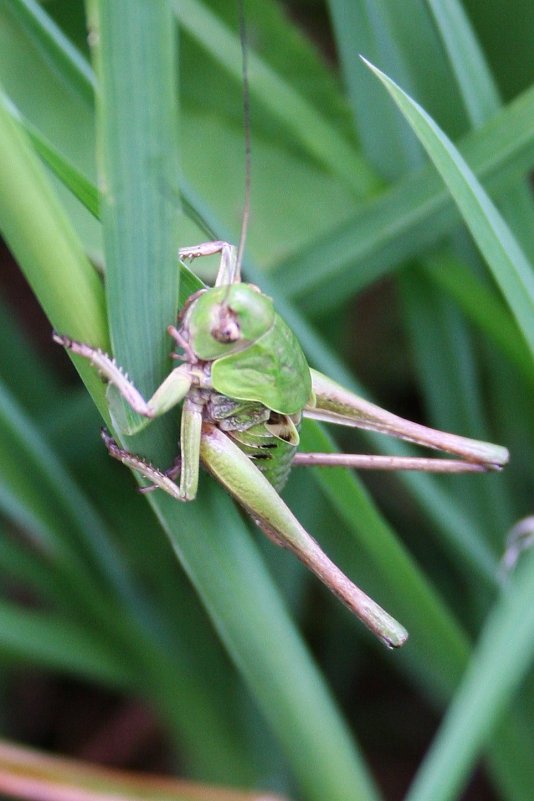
(245, 385)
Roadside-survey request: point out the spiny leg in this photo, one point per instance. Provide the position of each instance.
(110, 370)
(172, 473)
(187, 467)
(158, 479)
(170, 392)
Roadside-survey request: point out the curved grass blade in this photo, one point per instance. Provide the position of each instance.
(409, 217)
(41, 238)
(508, 264)
(478, 90)
(370, 28)
(480, 97)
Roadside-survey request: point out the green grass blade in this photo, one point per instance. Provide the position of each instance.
(226, 572)
(485, 691)
(397, 47)
(68, 61)
(466, 60)
(484, 309)
(20, 369)
(70, 528)
(444, 353)
(306, 123)
(19, 567)
(507, 262)
(481, 99)
(45, 245)
(361, 28)
(408, 218)
(137, 139)
(48, 639)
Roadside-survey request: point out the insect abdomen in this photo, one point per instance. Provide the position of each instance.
(268, 438)
(272, 455)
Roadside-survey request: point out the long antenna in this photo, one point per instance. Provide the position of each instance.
(246, 126)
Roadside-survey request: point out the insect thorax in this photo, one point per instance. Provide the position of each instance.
(268, 438)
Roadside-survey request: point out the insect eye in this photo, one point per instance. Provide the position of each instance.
(226, 329)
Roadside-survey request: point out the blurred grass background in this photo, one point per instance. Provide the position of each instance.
(231, 665)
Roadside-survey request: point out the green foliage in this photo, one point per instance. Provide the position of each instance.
(341, 197)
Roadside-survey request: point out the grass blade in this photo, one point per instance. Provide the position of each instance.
(69, 62)
(46, 638)
(363, 28)
(509, 266)
(136, 64)
(306, 123)
(45, 245)
(484, 693)
(225, 569)
(407, 218)
(466, 60)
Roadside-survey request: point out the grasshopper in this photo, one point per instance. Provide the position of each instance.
(245, 385)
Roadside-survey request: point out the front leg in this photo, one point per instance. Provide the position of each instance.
(126, 397)
(229, 271)
(170, 392)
